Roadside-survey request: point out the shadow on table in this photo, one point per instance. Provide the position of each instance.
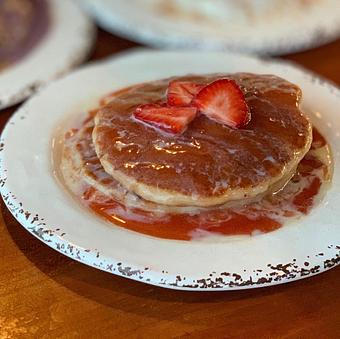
(113, 291)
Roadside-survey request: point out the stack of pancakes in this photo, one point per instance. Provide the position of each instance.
(208, 165)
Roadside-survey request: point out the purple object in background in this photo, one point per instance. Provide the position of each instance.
(23, 23)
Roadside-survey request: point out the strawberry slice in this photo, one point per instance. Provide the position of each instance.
(224, 102)
(170, 119)
(181, 93)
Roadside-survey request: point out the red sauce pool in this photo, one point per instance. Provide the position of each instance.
(265, 215)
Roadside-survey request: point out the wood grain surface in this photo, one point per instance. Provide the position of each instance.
(44, 294)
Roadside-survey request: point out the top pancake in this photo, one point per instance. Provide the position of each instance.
(209, 163)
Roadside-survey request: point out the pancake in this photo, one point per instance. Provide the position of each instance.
(79, 169)
(222, 9)
(82, 171)
(226, 12)
(209, 164)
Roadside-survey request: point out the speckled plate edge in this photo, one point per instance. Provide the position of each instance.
(291, 253)
(146, 27)
(67, 43)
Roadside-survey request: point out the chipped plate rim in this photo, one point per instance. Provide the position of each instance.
(44, 208)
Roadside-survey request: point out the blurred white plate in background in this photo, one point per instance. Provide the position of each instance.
(261, 26)
(66, 44)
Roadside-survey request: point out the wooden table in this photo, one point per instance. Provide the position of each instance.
(45, 294)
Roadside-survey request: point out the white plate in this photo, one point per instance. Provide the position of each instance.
(44, 208)
(288, 33)
(66, 44)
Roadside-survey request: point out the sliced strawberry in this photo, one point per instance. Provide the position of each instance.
(170, 119)
(224, 102)
(160, 103)
(181, 93)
